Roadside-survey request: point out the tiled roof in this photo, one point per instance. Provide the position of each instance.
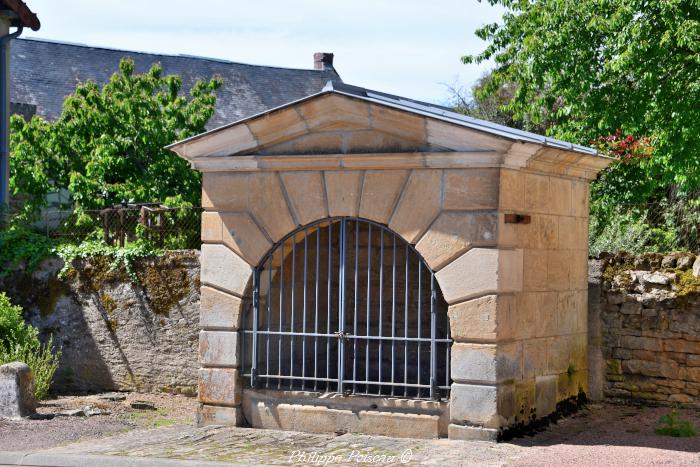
(44, 72)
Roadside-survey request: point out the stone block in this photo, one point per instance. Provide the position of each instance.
(560, 196)
(335, 112)
(224, 269)
(404, 125)
(512, 193)
(545, 395)
(474, 363)
(343, 190)
(380, 191)
(225, 191)
(546, 232)
(471, 433)
(471, 189)
(558, 269)
(534, 358)
(524, 401)
(481, 271)
(482, 319)
(242, 235)
(454, 232)
(567, 233)
(277, 126)
(268, 205)
(219, 386)
(534, 270)
(579, 198)
(218, 309)
(419, 204)
(215, 415)
(211, 227)
(218, 349)
(16, 390)
(307, 195)
(474, 404)
(536, 196)
(680, 345)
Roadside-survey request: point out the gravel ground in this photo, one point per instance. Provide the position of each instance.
(601, 434)
(607, 434)
(25, 434)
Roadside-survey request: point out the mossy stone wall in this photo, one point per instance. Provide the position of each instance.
(116, 334)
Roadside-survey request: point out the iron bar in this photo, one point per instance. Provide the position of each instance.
(354, 326)
(341, 345)
(303, 325)
(256, 312)
(293, 301)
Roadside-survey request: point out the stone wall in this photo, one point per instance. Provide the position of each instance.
(644, 332)
(114, 334)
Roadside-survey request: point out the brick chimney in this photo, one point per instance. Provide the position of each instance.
(323, 61)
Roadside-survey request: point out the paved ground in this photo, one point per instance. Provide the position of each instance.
(600, 435)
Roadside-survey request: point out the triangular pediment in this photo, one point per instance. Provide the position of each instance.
(337, 124)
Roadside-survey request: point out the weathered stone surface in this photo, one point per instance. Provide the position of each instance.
(380, 192)
(224, 269)
(481, 271)
(215, 415)
(218, 309)
(243, 236)
(343, 189)
(471, 189)
(115, 335)
(454, 232)
(419, 204)
(211, 227)
(268, 205)
(307, 195)
(471, 433)
(16, 390)
(218, 348)
(219, 386)
(545, 395)
(696, 267)
(482, 319)
(474, 404)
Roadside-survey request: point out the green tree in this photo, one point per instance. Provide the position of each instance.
(592, 67)
(107, 145)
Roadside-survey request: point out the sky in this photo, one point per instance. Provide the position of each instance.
(407, 47)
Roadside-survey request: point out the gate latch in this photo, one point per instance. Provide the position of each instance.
(342, 334)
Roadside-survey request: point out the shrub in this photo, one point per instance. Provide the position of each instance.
(672, 425)
(19, 342)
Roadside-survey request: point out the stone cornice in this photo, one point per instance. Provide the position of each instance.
(521, 156)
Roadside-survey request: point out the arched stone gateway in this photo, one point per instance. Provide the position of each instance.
(495, 218)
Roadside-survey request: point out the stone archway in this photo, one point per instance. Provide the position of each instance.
(501, 217)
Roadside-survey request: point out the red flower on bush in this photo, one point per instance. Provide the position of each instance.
(627, 149)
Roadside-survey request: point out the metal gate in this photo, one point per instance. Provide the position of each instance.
(345, 305)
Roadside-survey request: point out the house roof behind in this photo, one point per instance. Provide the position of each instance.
(44, 72)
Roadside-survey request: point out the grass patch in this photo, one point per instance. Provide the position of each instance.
(673, 425)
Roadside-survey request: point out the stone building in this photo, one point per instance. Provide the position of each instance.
(380, 265)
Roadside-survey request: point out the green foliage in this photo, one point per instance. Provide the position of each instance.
(672, 425)
(13, 329)
(592, 67)
(119, 256)
(42, 360)
(19, 245)
(108, 144)
(19, 342)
